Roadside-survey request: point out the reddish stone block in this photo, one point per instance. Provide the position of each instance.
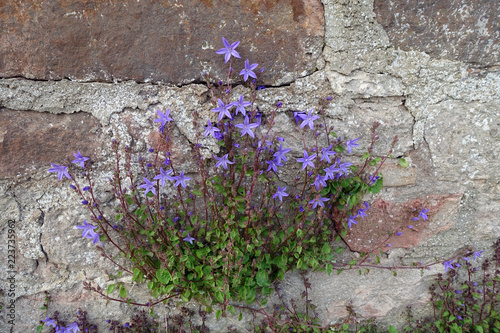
(158, 41)
(30, 141)
(383, 216)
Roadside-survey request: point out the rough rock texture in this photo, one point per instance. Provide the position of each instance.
(443, 107)
(156, 41)
(459, 30)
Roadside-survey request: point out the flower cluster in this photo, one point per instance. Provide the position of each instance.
(72, 328)
(232, 227)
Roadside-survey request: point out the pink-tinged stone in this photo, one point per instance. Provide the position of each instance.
(30, 141)
(452, 29)
(157, 41)
(370, 234)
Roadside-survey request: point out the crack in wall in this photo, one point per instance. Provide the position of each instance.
(40, 222)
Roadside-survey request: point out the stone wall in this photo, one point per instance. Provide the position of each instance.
(75, 74)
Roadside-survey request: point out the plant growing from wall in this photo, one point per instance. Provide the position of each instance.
(233, 228)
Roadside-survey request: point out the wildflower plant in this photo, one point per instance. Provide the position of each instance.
(233, 228)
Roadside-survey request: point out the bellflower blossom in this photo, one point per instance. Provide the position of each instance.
(273, 165)
(307, 160)
(164, 175)
(248, 70)
(351, 220)
(80, 159)
(241, 105)
(222, 161)
(210, 129)
(223, 109)
(88, 229)
(189, 239)
(246, 127)
(319, 182)
(421, 214)
(229, 50)
(280, 154)
(181, 180)
(148, 186)
(326, 153)
(318, 201)
(61, 171)
(280, 193)
(308, 119)
(350, 144)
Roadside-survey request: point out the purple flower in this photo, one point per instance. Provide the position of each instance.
(399, 233)
(222, 161)
(164, 118)
(459, 318)
(298, 116)
(61, 170)
(343, 167)
(85, 202)
(410, 226)
(79, 159)
(280, 139)
(308, 119)
(280, 193)
(229, 50)
(477, 254)
(218, 135)
(241, 105)
(318, 201)
(422, 214)
(223, 109)
(279, 104)
(447, 264)
(248, 70)
(331, 171)
(87, 228)
(210, 129)
(307, 160)
(189, 239)
(181, 179)
(280, 154)
(373, 179)
(246, 127)
(163, 175)
(350, 144)
(148, 186)
(351, 220)
(326, 153)
(49, 322)
(95, 238)
(86, 188)
(273, 165)
(320, 181)
(73, 328)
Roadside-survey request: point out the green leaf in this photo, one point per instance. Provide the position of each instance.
(240, 317)
(403, 163)
(262, 279)
(39, 328)
(375, 188)
(392, 329)
(230, 308)
(123, 291)
(218, 314)
(163, 275)
(110, 289)
(329, 269)
(365, 156)
(326, 249)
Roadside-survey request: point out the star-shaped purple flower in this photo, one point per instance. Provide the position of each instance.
(422, 213)
(246, 127)
(79, 159)
(319, 182)
(95, 238)
(448, 264)
(229, 50)
(248, 70)
(189, 239)
(210, 129)
(49, 322)
(280, 154)
(351, 220)
(222, 161)
(318, 201)
(280, 193)
(164, 175)
(307, 160)
(181, 180)
(88, 229)
(350, 144)
(148, 186)
(331, 171)
(61, 170)
(307, 119)
(343, 167)
(223, 109)
(273, 165)
(73, 328)
(241, 105)
(477, 254)
(326, 153)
